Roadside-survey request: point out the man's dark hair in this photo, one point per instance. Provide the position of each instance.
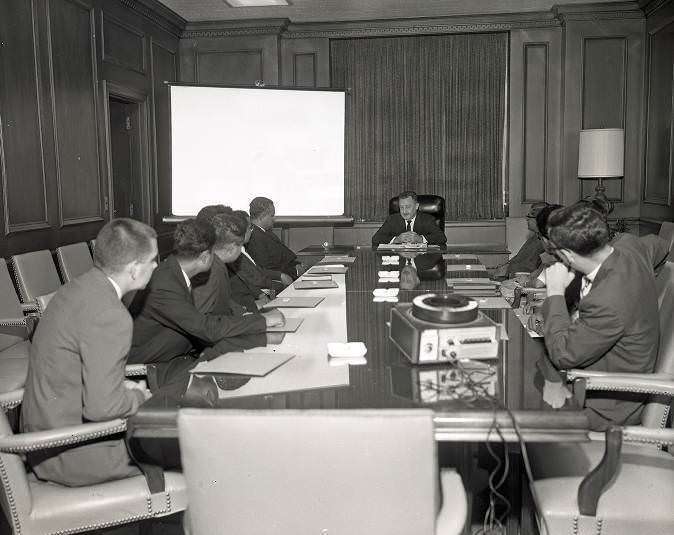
(121, 241)
(260, 206)
(207, 213)
(602, 205)
(578, 228)
(244, 217)
(193, 237)
(229, 230)
(543, 216)
(408, 194)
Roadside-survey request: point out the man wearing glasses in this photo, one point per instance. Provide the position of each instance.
(617, 326)
(527, 258)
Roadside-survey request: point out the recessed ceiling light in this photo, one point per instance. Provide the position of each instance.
(256, 3)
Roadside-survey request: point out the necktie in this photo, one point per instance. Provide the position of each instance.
(408, 225)
(585, 286)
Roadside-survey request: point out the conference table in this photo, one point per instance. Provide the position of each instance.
(502, 401)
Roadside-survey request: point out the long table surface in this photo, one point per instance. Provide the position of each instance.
(386, 378)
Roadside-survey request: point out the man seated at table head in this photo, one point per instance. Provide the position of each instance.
(78, 354)
(617, 327)
(264, 246)
(409, 225)
(167, 324)
(527, 258)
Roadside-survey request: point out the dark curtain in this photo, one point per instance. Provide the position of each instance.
(424, 113)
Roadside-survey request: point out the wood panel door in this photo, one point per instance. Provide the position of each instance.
(125, 159)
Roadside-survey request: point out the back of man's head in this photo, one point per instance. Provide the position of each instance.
(230, 229)
(542, 218)
(579, 228)
(122, 241)
(207, 213)
(408, 194)
(260, 207)
(193, 237)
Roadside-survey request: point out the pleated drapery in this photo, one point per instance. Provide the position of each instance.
(423, 113)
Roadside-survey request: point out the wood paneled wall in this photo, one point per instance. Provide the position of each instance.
(59, 62)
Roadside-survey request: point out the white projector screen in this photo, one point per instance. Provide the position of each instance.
(232, 144)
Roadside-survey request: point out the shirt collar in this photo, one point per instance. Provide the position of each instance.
(118, 290)
(187, 279)
(258, 226)
(592, 274)
(244, 252)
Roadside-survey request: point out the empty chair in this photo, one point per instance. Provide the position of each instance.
(73, 260)
(34, 507)
(35, 274)
(14, 344)
(429, 204)
(322, 471)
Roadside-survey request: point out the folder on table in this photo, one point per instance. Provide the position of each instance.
(290, 326)
(294, 302)
(328, 268)
(258, 364)
(314, 284)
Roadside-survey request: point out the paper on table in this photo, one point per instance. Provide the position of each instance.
(290, 326)
(294, 302)
(315, 277)
(314, 284)
(258, 364)
(344, 259)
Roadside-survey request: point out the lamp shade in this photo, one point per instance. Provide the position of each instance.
(601, 153)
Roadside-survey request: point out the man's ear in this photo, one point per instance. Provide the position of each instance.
(569, 256)
(205, 256)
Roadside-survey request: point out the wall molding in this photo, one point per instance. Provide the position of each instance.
(157, 13)
(199, 30)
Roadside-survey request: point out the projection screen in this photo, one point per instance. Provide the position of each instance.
(230, 144)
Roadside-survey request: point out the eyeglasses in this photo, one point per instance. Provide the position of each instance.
(530, 216)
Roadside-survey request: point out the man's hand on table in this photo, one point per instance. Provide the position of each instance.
(408, 237)
(286, 279)
(555, 394)
(274, 318)
(274, 338)
(557, 278)
(138, 385)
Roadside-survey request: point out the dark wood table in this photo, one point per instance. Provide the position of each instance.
(387, 379)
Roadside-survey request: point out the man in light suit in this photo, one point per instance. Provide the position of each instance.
(410, 225)
(617, 327)
(78, 354)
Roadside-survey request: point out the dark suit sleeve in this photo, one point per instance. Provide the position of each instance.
(431, 231)
(385, 233)
(173, 310)
(579, 344)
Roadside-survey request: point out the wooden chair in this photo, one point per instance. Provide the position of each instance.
(34, 507)
(322, 471)
(620, 482)
(73, 260)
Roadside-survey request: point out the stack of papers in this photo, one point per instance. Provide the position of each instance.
(313, 284)
(393, 260)
(389, 276)
(385, 295)
(294, 302)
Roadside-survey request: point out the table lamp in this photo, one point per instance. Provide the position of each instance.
(601, 154)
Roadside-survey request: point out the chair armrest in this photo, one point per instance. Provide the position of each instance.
(648, 435)
(29, 307)
(13, 322)
(641, 383)
(135, 370)
(63, 436)
(9, 400)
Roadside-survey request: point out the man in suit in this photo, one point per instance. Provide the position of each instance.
(167, 324)
(78, 354)
(617, 327)
(264, 247)
(410, 225)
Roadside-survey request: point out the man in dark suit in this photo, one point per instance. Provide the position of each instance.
(264, 246)
(167, 324)
(78, 354)
(410, 225)
(617, 327)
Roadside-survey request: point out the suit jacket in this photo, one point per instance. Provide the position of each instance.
(270, 253)
(247, 281)
(424, 225)
(617, 330)
(528, 258)
(75, 375)
(165, 317)
(212, 291)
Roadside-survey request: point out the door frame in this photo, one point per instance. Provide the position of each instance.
(140, 99)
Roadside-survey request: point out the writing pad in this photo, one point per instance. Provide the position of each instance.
(290, 326)
(314, 284)
(294, 302)
(327, 268)
(257, 364)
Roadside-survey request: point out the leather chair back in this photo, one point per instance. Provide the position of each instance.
(73, 260)
(429, 204)
(307, 472)
(656, 411)
(36, 274)
(15, 498)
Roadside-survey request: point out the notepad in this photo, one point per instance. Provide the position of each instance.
(294, 302)
(314, 284)
(316, 277)
(328, 268)
(257, 364)
(290, 326)
(341, 259)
